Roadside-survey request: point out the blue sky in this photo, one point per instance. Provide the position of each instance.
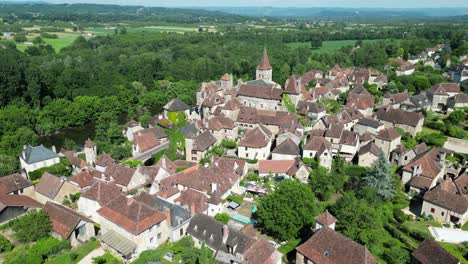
(278, 3)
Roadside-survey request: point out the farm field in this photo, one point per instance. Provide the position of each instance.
(329, 46)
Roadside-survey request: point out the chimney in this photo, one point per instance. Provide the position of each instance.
(417, 170)
(163, 162)
(214, 187)
(192, 209)
(54, 149)
(225, 233)
(167, 213)
(206, 165)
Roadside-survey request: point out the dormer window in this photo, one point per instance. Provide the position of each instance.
(325, 253)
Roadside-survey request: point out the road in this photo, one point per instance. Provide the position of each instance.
(149, 153)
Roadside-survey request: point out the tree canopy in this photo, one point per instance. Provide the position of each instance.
(284, 212)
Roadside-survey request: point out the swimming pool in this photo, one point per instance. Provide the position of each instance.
(243, 219)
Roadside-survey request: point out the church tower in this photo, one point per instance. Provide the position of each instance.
(90, 152)
(264, 69)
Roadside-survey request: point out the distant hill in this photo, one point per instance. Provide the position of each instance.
(100, 12)
(338, 13)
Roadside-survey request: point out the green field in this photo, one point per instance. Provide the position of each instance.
(329, 46)
(176, 29)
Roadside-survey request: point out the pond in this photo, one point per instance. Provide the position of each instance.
(77, 134)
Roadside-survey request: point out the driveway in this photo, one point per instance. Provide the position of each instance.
(449, 235)
(95, 253)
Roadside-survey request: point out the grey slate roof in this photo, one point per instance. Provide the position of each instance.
(260, 83)
(203, 141)
(207, 229)
(189, 131)
(420, 100)
(369, 122)
(176, 105)
(38, 154)
(118, 242)
(287, 147)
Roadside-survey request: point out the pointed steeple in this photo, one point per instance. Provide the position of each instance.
(264, 62)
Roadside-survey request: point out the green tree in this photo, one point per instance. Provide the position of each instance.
(31, 226)
(20, 38)
(379, 177)
(357, 219)
(284, 212)
(321, 183)
(8, 164)
(222, 217)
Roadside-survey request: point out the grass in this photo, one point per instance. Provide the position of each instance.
(108, 258)
(288, 249)
(429, 130)
(418, 226)
(67, 256)
(465, 227)
(455, 249)
(329, 46)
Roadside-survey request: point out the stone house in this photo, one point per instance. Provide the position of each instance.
(424, 171)
(319, 148)
(203, 189)
(286, 150)
(458, 101)
(311, 109)
(15, 205)
(261, 95)
(448, 201)
(278, 168)
(94, 198)
(395, 100)
(129, 227)
(83, 180)
(176, 106)
(325, 219)
(348, 145)
(53, 188)
(410, 122)
(102, 161)
(16, 184)
(368, 154)
(230, 245)
(431, 252)
(196, 148)
(368, 125)
(331, 247)
(222, 128)
(249, 118)
(295, 90)
(68, 224)
(408, 155)
(178, 217)
(90, 150)
(387, 140)
(132, 127)
(34, 158)
(255, 144)
(439, 95)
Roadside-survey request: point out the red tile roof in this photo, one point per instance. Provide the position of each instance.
(145, 141)
(326, 218)
(13, 182)
(330, 247)
(82, 179)
(255, 138)
(64, 220)
(131, 215)
(102, 192)
(278, 166)
(14, 200)
(429, 252)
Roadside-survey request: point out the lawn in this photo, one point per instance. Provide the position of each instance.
(421, 226)
(465, 227)
(288, 249)
(457, 250)
(329, 46)
(74, 255)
